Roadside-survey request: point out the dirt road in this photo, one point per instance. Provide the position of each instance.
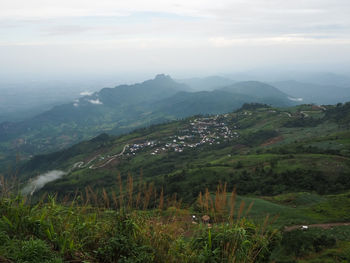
(324, 226)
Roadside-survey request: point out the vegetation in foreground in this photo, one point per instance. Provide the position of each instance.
(139, 225)
(131, 228)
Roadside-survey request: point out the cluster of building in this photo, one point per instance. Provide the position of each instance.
(210, 130)
(134, 148)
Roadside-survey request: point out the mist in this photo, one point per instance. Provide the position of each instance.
(40, 181)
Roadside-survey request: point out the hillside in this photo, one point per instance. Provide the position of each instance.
(261, 150)
(288, 166)
(119, 110)
(264, 92)
(207, 83)
(184, 104)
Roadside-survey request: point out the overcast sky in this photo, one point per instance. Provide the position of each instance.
(182, 37)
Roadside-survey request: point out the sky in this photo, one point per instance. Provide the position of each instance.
(66, 38)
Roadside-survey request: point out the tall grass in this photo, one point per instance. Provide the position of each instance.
(134, 223)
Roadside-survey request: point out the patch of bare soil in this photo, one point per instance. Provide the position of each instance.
(272, 141)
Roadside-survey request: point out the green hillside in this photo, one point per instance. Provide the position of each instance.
(265, 92)
(288, 166)
(259, 149)
(117, 111)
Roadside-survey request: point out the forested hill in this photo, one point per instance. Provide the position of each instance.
(260, 149)
(123, 109)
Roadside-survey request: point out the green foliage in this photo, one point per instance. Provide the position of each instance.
(265, 158)
(29, 251)
(253, 106)
(340, 113)
(52, 232)
(122, 243)
(303, 122)
(257, 138)
(301, 243)
(227, 243)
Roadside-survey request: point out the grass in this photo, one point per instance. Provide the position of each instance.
(135, 225)
(284, 215)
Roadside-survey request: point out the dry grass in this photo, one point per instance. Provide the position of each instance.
(221, 206)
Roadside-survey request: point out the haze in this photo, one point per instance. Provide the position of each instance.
(66, 39)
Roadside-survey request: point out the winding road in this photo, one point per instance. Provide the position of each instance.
(110, 158)
(81, 164)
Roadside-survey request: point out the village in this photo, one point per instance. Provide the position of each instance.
(213, 130)
(200, 131)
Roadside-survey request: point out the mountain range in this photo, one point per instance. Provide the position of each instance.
(124, 108)
(314, 93)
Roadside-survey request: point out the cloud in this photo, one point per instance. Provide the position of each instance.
(90, 35)
(67, 30)
(40, 181)
(96, 102)
(296, 99)
(295, 39)
(86, 93)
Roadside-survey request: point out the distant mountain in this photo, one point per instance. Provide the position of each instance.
(125, 108)
(325, 78)
(262, 92)
(314, 93)
(207, 83)
(226, 99)
(162, 86)
(185, 104)
(277, 75)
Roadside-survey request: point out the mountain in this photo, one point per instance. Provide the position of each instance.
(88, 116)
(277, 75)
(314, 93)
(261, 91)
(124, 108)
(184, 104)
(223, 100)
(207, 83)
(324, 78)
(260, 149)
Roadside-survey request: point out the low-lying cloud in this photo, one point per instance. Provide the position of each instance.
(86, 93)
(295, 99)
(96, 102)
(40, 181)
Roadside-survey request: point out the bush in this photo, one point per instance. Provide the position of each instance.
(28, 251)
(300, 243)
(231, 243)
(125, 243)
(36, 250)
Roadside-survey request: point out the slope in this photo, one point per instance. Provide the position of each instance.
(121, 110)
(263, 92)
(261, 150)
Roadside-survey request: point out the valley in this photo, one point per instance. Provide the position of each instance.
(283, 165)
(123, 109)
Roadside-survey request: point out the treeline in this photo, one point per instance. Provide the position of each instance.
(340, 113)
(260, 182)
